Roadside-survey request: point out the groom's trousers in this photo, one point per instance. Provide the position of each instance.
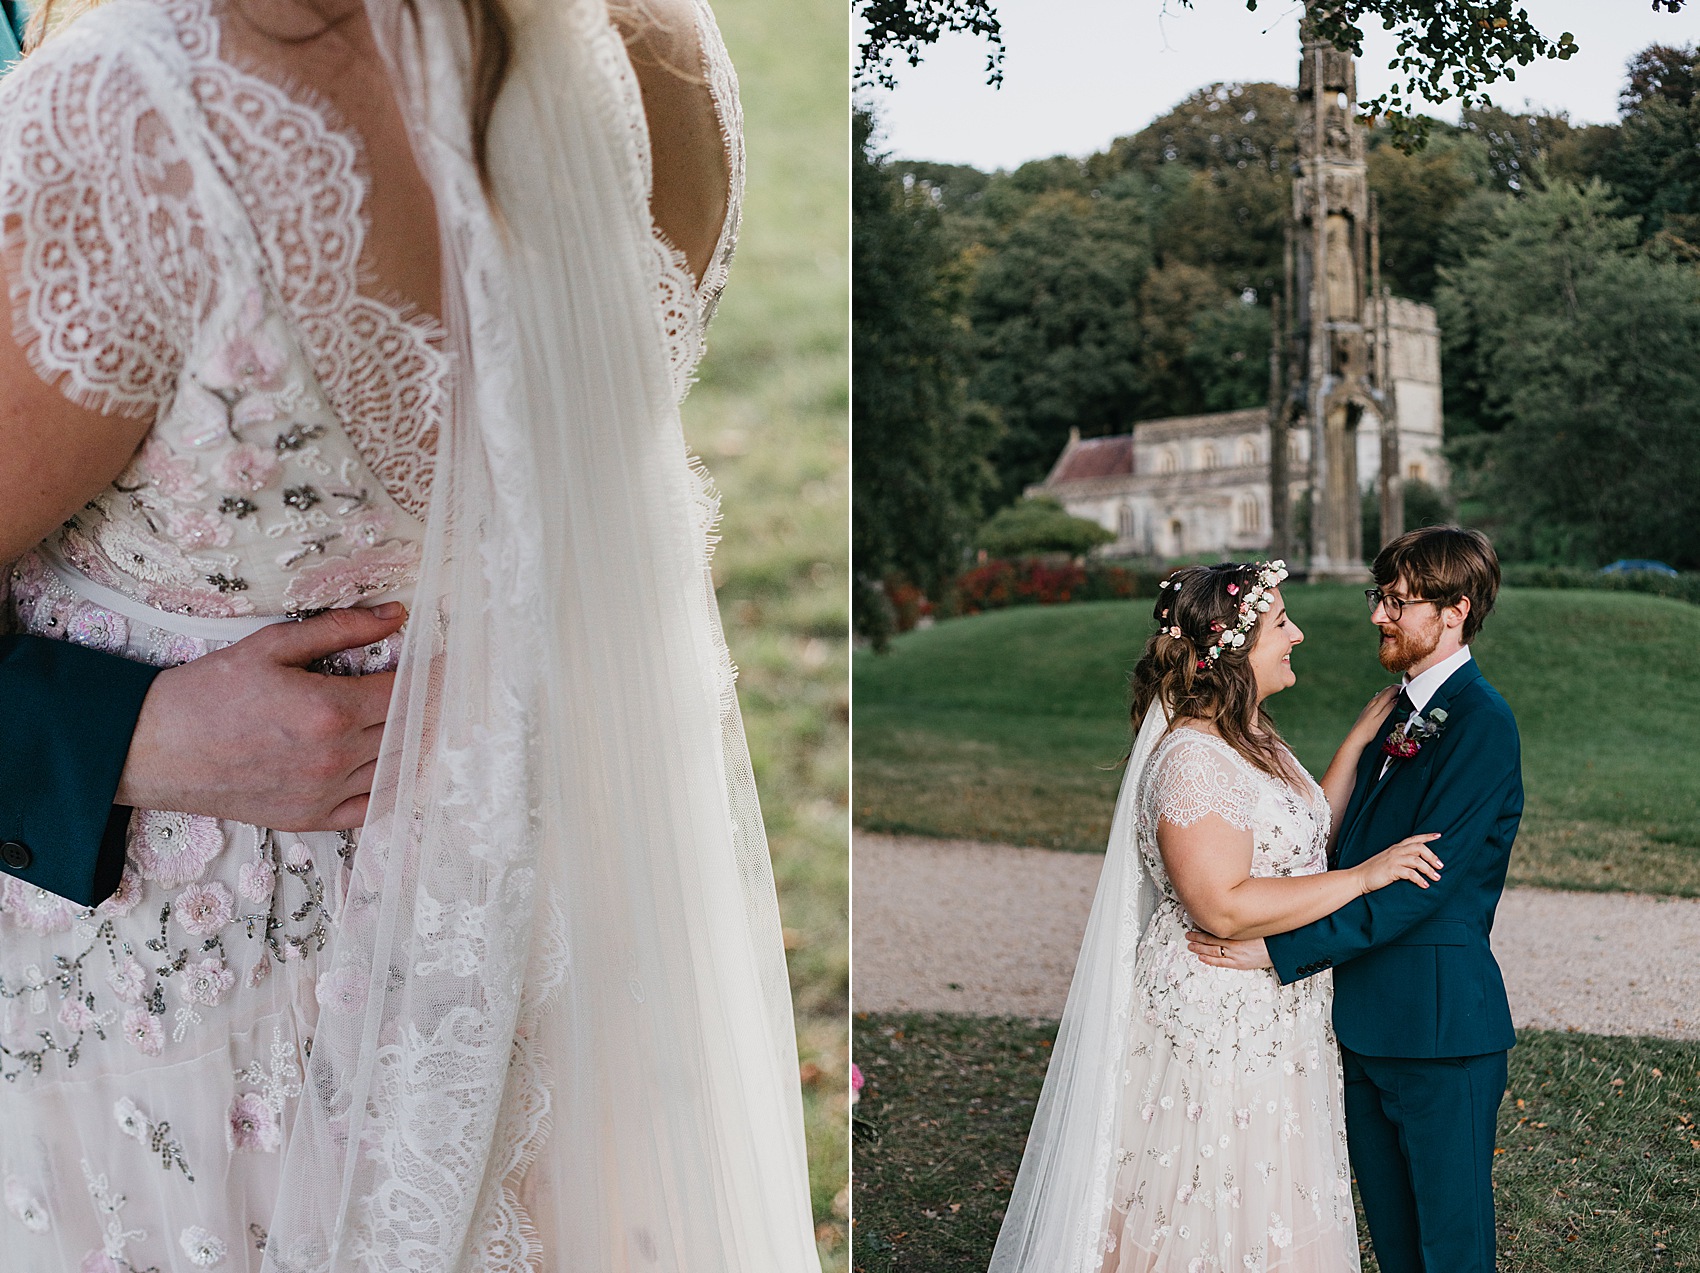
(1420, 1134)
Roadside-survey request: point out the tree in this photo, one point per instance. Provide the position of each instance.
(1228, 356)
(1446, 48)
(1055, 310)
(1433, 206)
(1425, 505)
(1655, 167)
(1581, 344)
(1039, 524)
(1216, 175)
(920, 447)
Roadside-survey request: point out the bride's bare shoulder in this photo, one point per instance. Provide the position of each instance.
(685, 129)
(655, 19)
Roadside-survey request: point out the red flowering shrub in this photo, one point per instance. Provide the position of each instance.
(908, 603)
(1036, 581)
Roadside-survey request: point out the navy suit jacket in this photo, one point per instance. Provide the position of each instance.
(66, 717)
(12, 19)
(1414, 975)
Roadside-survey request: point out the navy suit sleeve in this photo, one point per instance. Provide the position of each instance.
(1466, 798)
(66, 716)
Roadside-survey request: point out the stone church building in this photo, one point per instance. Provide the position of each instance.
(1201, 484)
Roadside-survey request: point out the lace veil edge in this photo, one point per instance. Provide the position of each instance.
(1058, 1214)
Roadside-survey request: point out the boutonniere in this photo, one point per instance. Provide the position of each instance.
(1407, 739)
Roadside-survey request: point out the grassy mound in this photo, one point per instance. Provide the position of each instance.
(1010, 726)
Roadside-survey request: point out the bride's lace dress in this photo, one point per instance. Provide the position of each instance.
(1231, 1154)
(154, 1048)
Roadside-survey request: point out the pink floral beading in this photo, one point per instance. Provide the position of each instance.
(251, 1126)
(34, 909)
(342, 580)
(205, 603)
(128, 980)
(144, 1031)
(171, 475)
(74, 1014)
(174, 849)
(256, 880)
(99, 629)
(203, 909)
(252, 358)
(342, 991)
(124, 900)
(205, 981)
(197, 528)
(248, 468)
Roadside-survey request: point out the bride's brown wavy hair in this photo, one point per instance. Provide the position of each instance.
(1222, 691)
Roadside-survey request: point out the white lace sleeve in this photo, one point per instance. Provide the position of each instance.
(104, 252)
(1200, 775)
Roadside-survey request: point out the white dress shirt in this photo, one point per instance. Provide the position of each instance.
(1421, 687)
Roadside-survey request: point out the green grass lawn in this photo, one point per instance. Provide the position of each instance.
(1008, 726)
(770, 416)
(1597, 1169)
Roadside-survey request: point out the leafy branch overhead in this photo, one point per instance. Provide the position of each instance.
(1446, 48)
(900, 28)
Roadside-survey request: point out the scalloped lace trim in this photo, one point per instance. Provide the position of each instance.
(92, 193)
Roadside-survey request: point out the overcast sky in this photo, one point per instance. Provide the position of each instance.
(1080, 73)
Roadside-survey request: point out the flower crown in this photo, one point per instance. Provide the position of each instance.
(1270, 575)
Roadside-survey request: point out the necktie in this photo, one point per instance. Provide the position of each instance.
(1403, 710)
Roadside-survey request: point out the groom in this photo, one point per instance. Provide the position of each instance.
(1419, 1003)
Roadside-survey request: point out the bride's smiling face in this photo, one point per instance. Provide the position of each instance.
(1271, 651)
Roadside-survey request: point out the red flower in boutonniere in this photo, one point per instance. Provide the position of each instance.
(1407, 738)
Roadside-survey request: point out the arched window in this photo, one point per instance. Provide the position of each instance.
(1168, 461)
(1177, 536)
(1124, 522)
(1295, 449)
(1249, 514)
(1207, 456)
(1248, 452)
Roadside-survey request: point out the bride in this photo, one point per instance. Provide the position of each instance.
(317, 303)
(1191, 1119)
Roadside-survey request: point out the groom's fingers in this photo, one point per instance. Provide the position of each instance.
(298, 644)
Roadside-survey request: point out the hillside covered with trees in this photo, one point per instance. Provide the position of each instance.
(1137, 282)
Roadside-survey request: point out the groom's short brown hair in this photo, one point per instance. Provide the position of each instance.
(1444, 564)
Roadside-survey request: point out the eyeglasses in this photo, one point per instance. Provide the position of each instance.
(1395, 605)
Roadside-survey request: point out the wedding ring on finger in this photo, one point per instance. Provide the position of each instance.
(1223, 951)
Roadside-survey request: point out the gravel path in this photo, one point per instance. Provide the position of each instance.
(953, 926)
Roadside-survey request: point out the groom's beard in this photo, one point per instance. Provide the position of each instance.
(1400, 650)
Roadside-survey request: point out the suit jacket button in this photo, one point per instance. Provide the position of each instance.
(15, 855)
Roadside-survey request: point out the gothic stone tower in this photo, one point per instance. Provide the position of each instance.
(1328, 342)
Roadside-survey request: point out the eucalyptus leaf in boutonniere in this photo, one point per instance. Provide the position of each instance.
(1407, 739)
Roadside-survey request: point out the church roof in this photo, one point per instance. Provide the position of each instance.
(1096, 457)
(1086, 459)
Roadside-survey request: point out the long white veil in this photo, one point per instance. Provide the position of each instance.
(1059, 1212)
(556, 1029)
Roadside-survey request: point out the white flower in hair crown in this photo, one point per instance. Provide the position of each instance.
(1256, 602)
